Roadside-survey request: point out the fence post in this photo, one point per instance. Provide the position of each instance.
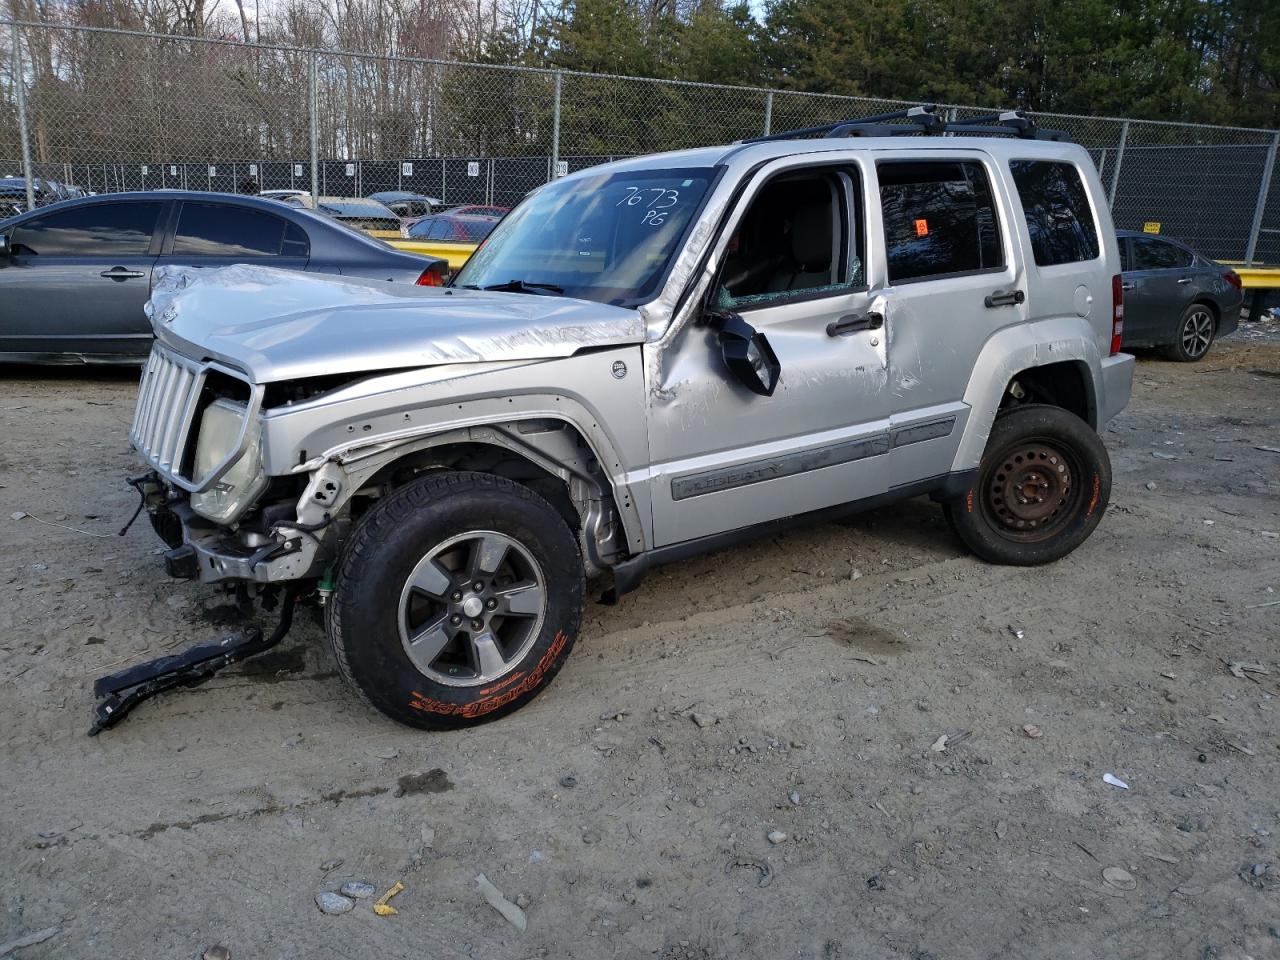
(555, 127)
(768, 113)
(313, 110)
(1115, 171)
(1263, 189)
(20, 100)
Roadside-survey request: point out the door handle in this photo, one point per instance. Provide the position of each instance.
(1005, 299)
(120, 273)
(871, 321)
(1129, 285)
(1185, 280)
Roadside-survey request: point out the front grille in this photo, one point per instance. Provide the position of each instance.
(167, 400)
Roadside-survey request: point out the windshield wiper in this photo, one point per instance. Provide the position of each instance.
(521, 286)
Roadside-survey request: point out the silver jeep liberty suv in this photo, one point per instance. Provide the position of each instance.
(646, 360)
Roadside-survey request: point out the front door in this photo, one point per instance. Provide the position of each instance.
(77, 281)
(795, 269)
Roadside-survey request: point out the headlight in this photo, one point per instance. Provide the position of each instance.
(220, 428)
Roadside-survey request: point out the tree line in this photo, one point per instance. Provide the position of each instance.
(97, 96)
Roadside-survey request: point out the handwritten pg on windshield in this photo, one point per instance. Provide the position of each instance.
(655, 201)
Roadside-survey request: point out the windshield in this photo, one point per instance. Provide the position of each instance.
(607, 238)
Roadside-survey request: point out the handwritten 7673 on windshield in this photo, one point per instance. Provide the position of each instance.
(659, 204)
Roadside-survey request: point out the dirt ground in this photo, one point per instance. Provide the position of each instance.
(826, 666)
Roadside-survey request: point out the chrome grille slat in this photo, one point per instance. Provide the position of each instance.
(173, 417)
(166, 402)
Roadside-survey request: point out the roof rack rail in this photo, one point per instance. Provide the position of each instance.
(924, 119)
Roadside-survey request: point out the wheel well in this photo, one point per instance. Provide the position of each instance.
(1213, 311)
(1066, 384)
(481, 458)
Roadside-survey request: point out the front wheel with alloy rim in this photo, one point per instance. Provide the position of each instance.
(1194, 336)
(457, 600)
(1042, 487)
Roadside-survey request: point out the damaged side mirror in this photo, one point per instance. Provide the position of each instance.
(746, 353)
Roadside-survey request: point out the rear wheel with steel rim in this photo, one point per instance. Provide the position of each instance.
(1041, 489)
(1194, 336)
(457, 600)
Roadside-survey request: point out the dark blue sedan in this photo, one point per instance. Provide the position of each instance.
(1175, 298)
(75, 275)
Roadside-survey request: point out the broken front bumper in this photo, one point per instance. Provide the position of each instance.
(214, 556)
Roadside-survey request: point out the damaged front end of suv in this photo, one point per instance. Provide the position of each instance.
(272, 434)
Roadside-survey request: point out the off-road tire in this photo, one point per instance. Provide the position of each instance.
(1063, 460)
(392, 540)
(1197, 329)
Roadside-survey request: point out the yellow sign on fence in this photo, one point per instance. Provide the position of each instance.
(1151, 226)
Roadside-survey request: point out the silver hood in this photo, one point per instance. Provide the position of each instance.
(284, 325)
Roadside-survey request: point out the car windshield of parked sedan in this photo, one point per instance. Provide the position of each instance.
(607, 238)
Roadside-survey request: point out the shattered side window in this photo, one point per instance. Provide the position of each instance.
(794, 240)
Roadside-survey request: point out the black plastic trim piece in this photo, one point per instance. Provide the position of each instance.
(628, 575)
(773, 468)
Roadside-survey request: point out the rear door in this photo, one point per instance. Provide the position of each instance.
(78, 279)
(948, 283)
(209, 233)
(1158, 286)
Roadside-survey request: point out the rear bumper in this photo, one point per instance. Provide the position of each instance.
(1117, 385)
(1229, 317)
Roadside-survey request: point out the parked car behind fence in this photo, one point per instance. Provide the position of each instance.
(1175, 298)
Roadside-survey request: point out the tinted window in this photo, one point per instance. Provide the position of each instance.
(476, 230)
(1059, 219)
(295, 243)
(221, 230)
(102, 230)
(1151, 254)
(939, 218)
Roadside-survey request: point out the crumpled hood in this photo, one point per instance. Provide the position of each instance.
(282, 325)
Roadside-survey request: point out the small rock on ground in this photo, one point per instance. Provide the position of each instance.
(333, 903)
(777, 836)
(358, 889)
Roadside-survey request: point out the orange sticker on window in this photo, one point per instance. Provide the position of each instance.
(922, 228)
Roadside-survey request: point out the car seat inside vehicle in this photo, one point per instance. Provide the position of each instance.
(789, 240)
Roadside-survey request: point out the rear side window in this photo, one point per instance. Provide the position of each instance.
(477, 230)
(1151, 254)
(220, 230)
(939, 219)
(1056, 206)
(100, 230)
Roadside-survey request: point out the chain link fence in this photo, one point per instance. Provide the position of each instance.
(110, 110)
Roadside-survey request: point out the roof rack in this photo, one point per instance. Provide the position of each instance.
(924, 119)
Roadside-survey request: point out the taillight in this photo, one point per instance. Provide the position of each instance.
(431, 277)
(1233, 278)
(1117, 313)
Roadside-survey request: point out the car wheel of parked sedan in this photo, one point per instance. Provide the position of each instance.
(1194, 336)
(1042, 488)
(458, 598)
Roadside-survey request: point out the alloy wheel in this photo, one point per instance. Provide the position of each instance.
(471, 608)
(1197, 334)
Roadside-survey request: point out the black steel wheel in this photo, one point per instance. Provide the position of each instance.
(1042, 488)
